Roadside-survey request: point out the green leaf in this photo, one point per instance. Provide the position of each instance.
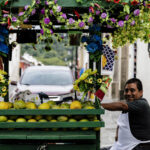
(126, 9)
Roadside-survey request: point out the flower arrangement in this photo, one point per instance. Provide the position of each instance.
(91, 81)
(93, 43)
(3, 83)
(123, 16)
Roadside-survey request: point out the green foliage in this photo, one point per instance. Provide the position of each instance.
(60, 54)
(52, 61)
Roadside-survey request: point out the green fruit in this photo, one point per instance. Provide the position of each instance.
(48, 117)
(62, 118)
(55, 107)
(12, 117)
(38, 117)
(51, 103)
(10, 120)
(54, 129)
(42, 120)
(19, 104)
(64, 106)
(84, 128)
(96, 128)
(28, 116)
(20, 120)
(72, 120)
(3, 118)
(31, 105)
(32, 120)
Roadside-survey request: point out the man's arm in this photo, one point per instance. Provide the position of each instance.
(122, 106)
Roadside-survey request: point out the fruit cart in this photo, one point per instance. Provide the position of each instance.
(41, 135)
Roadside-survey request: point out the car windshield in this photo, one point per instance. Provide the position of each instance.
(47, 77)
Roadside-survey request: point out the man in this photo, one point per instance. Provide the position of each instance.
(133, 131)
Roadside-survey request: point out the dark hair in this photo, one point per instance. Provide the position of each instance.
(137, 81)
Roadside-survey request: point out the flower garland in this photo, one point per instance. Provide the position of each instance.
(3, 83)
(133, 16)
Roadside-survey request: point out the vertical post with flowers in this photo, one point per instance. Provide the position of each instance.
(3, 83)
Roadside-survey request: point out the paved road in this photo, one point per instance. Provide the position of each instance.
(108, 132)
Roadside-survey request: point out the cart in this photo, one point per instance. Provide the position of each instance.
(39, 136)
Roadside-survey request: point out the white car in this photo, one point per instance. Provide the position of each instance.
(54, 81)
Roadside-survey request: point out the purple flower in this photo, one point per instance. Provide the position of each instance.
(51, 12)
(71, 21)
(55, 1)
(133, 23)
(113, 20)
(58, 8)
(136, 12)
(43, 11)
(46, 3)
(90, 20)
(5, 15)
(127, 17)
(121, 23)
(64, 16)
(103, 15)
(25, 20)
(46, 20)
(21, 13)
(90, 10)
(33, 12)
(42, 31)
(109, 26)
(97, 12)
(14, 19)
(37, 1)
(81, 24)
(26, 7)
(51, 31)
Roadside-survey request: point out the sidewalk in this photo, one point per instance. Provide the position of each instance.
(109, 131)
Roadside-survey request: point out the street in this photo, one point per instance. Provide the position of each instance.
(108, 132)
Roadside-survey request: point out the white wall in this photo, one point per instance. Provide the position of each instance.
(143, 67)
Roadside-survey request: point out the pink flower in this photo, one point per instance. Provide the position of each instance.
(103, 15)
(14, 19)
(121, 23)
(64, 16)
(71, 21)
(90, 20)
(81, 24)
(97, 12)
(136, 12)
(133, 23)
(21, 14)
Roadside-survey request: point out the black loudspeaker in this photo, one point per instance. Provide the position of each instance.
(26, 36)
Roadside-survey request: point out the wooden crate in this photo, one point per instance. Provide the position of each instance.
(31, 135)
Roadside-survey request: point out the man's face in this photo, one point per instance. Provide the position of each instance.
(131, 92)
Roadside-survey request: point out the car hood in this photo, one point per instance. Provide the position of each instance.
(51, 90)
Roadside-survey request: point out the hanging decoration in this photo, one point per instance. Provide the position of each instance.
(108, 58)
(92, 81)
(129, 18)
(93, 43)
